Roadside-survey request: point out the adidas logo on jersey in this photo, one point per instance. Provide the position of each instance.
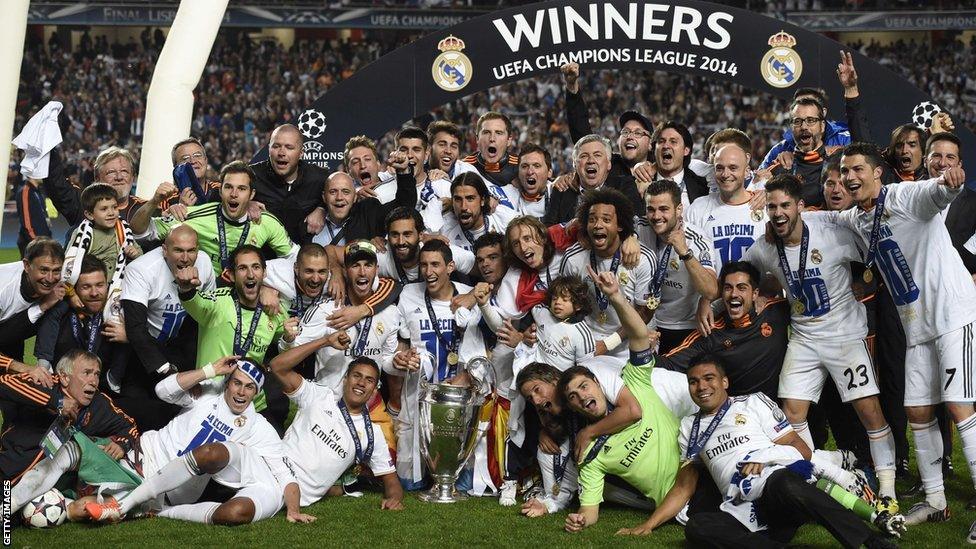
(711, 218)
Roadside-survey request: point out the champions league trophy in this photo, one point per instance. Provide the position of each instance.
(450, 429)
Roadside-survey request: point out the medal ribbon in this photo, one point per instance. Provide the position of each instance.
(222, 238)
(241, 349)
(695, 443)
(598, 443)
(876, 228)
(452, 345)
(795, 283)
(601, 299)
(469, 235)
(559, 466)
(361, 456)
(93, 326)
(661, 272)
(363, 328)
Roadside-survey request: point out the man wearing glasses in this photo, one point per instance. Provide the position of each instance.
(807, 120)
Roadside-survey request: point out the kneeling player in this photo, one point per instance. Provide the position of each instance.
(330, 435)
(216, 435)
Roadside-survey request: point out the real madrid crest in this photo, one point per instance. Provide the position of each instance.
(756, 215)
(452, 69)
(564, 342)
(816, 257)
(781, 66)
(380, 328)
(623, 277)
(740, 419)
(240, 421)
(673, 264)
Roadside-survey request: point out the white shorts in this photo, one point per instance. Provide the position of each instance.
(808, 363)
(672, 388)
(250, 475)
(941, 369)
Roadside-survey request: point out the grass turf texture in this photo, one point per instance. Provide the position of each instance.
(479, 522)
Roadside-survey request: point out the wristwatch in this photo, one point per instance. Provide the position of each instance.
(686, 256)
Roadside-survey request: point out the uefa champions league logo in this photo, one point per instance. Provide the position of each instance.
(781, 66)
(452, 69)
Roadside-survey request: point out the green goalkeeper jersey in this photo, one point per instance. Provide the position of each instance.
(645, 454)
(216, 313)
(203, 219)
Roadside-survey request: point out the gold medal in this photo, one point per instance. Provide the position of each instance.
(452, 358)
(603, 318)
(868, 276)
(653, 302)
(555, 489)
(798, 307)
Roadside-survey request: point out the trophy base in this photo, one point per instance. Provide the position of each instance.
(442, 493)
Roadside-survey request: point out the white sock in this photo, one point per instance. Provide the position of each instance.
(193, 512)
(44, 475)
(928, 452)
(882, 444)
(967, 433)
(804, 432)
(174, 474)
(824, 466)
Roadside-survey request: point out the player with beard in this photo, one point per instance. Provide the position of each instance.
(218, 437)
(634, 141)
(471, 214)
(811, 260)
(529, 194)
(606, 218)
(221, 226)
(758, 464)
(638, 441)
(672, 157)
(808, 123)
(903, 232)
(289, 187)
(727, 216)
(332, 430)
(684, 271)
(750, 334)
(493, 161)
(445, 149)
(28, 409)
(591, 159)
(28, 289)
(439, 338)
(401, 258)
(350, 217)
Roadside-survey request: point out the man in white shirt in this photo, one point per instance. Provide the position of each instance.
(471, 214)
(401, 259)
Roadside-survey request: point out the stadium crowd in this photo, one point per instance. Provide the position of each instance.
(662, 311)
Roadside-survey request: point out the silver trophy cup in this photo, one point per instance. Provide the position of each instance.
(450, 428)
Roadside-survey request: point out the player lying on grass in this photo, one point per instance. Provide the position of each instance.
(219, 437)
(329, 435)
(761, 469)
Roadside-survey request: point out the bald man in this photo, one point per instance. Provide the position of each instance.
(160, 332)
(349, 217)
(289, 187)
(726, 215)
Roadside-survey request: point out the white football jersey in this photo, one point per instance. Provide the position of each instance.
(561, 343)
(495, 222)
(330, 363)
(752, 422)
(832, 312)
(204, 420)
(634, 283)
(535, 208)
(429, 195)
(926, 277)
(279, 274)
(319, 445)
(150, 282)
(417, 327)
(11, 300)
(733, 228)
(679, 300)
(464, 262)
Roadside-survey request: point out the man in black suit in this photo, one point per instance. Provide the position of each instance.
(592, 159)
(672, 144)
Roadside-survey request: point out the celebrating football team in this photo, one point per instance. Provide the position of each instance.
(668, 333)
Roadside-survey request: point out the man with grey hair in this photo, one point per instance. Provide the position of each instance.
(114, 166)
(592, 159)
(77, 406)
